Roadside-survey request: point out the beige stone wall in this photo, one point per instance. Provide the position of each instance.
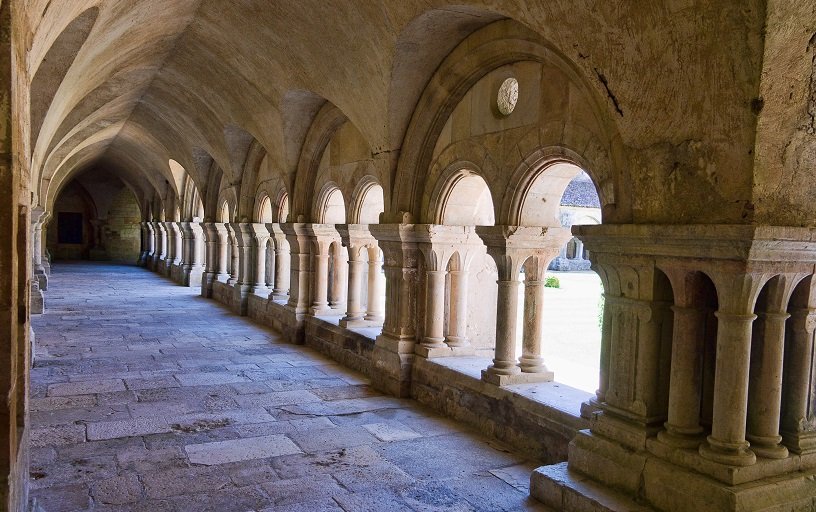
(123, 232)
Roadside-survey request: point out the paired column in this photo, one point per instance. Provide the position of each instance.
(683, 429)
(321, 236)
(375, 307)
(211, 257)
(799, 378)
(297, 236)
(280, 287)
(727, 443)
(767, 359)
(354, 307)
(261, 237)
(512, 247)
(223, 251)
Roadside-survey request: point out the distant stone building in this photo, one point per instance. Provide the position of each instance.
(580, 205)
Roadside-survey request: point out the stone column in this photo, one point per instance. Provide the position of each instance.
(242, 272)
(510, 247)
(504, 361)
(38, 218)
(223, 251)
(683, 428)
(337, 295)
(280, 288)
(149, 243)
(298, 238)
(531, 360)
(261, 236)
(161, 247)
(799, 377)
(767, 356)
(375, 308)
(394, 348)
(727, 443)
(321, 237)
(434, 308)
(178, 248)
(211, 257)
(457, 323)
(354, 308)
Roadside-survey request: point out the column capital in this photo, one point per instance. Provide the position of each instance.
(438, 243)
(511, 246)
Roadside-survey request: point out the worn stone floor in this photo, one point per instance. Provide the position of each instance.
(145, 396)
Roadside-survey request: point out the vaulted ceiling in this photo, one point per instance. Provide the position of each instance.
(134, 83)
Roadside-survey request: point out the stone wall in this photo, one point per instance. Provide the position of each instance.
(123, 232)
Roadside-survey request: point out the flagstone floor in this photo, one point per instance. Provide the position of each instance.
(146, 397)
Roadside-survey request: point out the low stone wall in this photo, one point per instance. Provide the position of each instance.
(224, 294)
(536, 426)
(351, 349)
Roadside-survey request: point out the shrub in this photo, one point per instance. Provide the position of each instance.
(552, 282)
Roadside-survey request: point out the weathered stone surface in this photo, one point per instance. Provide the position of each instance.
(221, 452)
(233, 445)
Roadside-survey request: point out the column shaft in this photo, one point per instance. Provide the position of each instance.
(727, 443)
(457, 323)
(434, 309)
(504, 362)
(531, 360)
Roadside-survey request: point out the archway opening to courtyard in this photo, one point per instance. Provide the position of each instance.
(571, 295)
(470, 291)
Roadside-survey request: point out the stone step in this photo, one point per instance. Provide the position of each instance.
(568, 491)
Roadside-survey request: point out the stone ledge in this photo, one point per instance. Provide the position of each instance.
(568, 491)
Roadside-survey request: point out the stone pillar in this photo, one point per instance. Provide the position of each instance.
(532, 340)
(194, 273)
(434, 308)
(280, 287)
(457, 322)
(532, 336)
(510, 247)
(799, 378)
(223, 251)
(149, 243)
(375, 307)
(38, 218)
(300, 247)
(211, 257)
(261, 235)
(161, 247)
(683, 428)
(354, 308)
(767, 357)
(358, 240)
(727, 443)
(241, 278)
(321, 237)
(337, 292)
(394, 348)
(178, 248)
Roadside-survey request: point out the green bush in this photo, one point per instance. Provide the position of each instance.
(552, 282)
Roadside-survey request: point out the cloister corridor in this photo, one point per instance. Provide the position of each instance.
(145, 396)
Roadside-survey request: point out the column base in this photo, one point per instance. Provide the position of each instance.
(393, 359)
(357, 321)
(726, 453)
(457, 341)
(768, 447)
(443, 351)
(516, 378)
(681, 440)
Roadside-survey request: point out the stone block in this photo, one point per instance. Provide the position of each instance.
(240, 449)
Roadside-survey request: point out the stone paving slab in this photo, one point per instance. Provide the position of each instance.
(210, 454)
(147, 398)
